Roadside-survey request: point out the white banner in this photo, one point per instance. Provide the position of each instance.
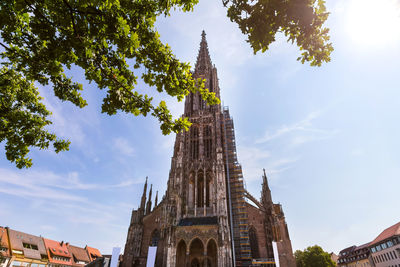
(151, 256)
(115, 256)
(276, 253)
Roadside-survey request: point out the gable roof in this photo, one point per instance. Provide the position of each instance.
(362, 246)
(94, 253)
(79, 254)
(57, 249)
(18, 239)
(388, 232)
(4, 242)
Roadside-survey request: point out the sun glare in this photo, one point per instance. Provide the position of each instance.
(374, 22)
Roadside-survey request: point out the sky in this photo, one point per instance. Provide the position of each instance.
(327, 136)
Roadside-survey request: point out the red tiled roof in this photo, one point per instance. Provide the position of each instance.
(93, 253)
(79, 254)
(57, 249)
(391, 231)
(4, 242)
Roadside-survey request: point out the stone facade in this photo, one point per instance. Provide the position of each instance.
(194, 224)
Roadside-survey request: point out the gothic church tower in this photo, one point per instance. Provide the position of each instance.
(203, 219)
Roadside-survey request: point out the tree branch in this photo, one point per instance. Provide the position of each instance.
(71, 13)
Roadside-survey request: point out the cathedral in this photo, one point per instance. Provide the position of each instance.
(206, 217)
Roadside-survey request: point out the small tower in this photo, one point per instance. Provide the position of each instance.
(156, 200)
(266, 198)
(267, 204)
(148, 207)
(143, 201)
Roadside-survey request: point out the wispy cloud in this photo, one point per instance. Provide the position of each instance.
(303, 125)
(123, 146)
(50, 193)
(256, 158)
(302, 131)
(48, 185)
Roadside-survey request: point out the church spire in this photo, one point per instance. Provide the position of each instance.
(203, 63)
(266, 198)
(148, 207)
(156, 200)
(143, 202)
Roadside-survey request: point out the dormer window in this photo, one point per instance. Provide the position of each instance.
(30, 246)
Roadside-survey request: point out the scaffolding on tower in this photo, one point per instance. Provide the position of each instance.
(236, 191)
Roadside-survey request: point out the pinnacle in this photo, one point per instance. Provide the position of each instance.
(203, 64)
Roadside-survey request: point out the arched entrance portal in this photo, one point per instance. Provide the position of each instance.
(181, 254)
(212, 259)
(196, 253)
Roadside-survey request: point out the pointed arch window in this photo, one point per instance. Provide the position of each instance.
(194, 142)
(253, 242)
(207, 141)
(200, 189)
(208, 189)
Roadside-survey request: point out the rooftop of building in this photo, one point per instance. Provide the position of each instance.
(56, 250)
(364, 246)
(94, 253)
(4, 242)
(393, 230)
(32, 246)
(346, 251)
(78, 254)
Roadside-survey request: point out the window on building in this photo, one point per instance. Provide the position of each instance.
(208, 189)
(194, 142)
(373, 250)
(200, 189)
(155, 237)
(254, 243)
(207, 141)
(30, 246)
(378, 248)
(389, 244)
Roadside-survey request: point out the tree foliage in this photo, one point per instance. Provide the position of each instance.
(313, 256)
(41, 39)
(300, 20)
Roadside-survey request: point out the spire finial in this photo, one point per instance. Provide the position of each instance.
(203, 36)
(148, 207)
(143, 202)
(266, 198)
(203, 63)
(265, 180)
(156, 200)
